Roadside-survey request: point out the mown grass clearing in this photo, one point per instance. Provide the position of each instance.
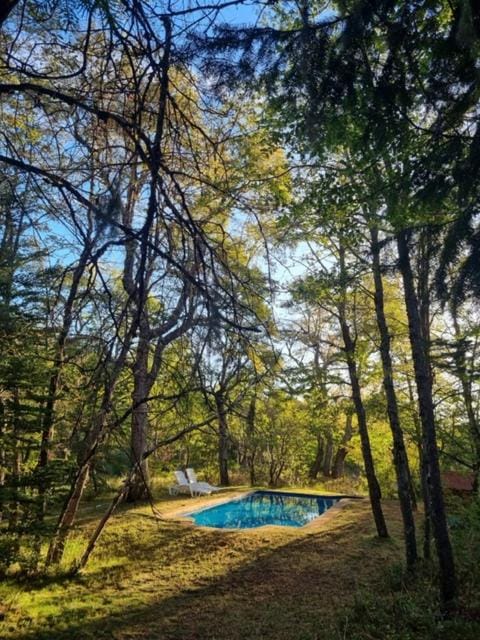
(167, 580)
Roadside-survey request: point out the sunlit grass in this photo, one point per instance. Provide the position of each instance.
(165, 580)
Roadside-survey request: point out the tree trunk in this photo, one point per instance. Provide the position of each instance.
(349, 348)
(85, 457)
(413, 492)
(57, 544)
(138, 487)
(342, 451)
(400, 458)
(54, 382)
(338, 470)
(250, 435)
(427, 526)
(144, 378)
(3, 456)
(466, 383)
(318, 462)
(423, 470)
(423, 293)
(223, 439)
(14, 514)
(271, 474)
(275, 471)
(373, 486)
(424, 391)
(327, 460)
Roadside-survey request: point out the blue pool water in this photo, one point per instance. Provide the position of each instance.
(265, 507)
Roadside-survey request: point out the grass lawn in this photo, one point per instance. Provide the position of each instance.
(165, 580)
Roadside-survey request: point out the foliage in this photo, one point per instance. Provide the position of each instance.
(189, 213)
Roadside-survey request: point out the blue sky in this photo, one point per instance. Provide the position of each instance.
(241, 14)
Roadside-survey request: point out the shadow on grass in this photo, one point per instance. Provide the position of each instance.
(282, 585)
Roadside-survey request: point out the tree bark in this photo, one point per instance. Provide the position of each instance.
(57, 544)
(423, 293)
(275, 471)
(349, 349)
(373, 485)
(423, 470)
(327, 460)
(318, 462)
(338, 470)
(138, 287)
(342, 451)
(400, 458)
(466, 384)
(54, 382)
(138, 487)
(425, 397)
(251, 456)
(14, 512)
(223, 439)
(85, 456)
(3, 456)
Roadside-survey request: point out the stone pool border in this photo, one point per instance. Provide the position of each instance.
(180, 514)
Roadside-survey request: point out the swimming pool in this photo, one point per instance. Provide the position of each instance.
(262, 508)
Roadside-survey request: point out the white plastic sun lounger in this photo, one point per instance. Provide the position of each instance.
(192, 478)
(184, 486)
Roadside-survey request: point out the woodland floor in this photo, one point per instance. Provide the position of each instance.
(163, 580)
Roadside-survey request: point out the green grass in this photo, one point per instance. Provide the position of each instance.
(164, 580)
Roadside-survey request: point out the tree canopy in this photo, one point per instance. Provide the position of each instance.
(252, 247)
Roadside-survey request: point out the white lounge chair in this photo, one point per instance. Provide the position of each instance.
(192, 478)
(184, 486)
